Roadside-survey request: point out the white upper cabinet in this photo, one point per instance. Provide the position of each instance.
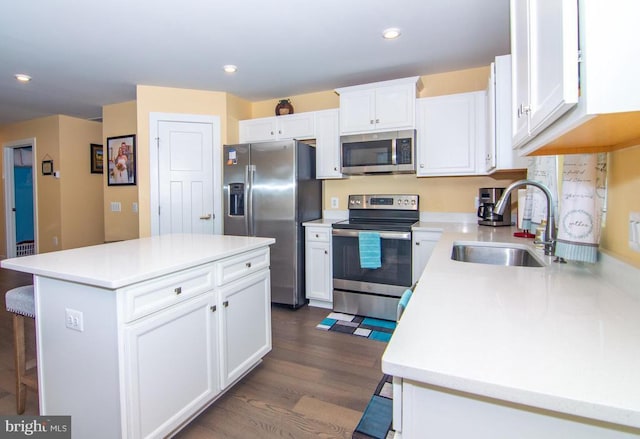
(328, 144)
(451, 134)
(323, 126)
(550, 75)
(545, 58)
(381, 106)
(500, 154)
(291, 126)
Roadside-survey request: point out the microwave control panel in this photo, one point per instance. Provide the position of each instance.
(404, 151)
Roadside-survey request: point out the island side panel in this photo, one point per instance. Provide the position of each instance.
(78, 370)
(431, 411)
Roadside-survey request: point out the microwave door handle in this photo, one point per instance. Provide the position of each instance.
(394, 156)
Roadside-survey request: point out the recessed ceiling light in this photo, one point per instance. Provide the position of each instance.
(22, 77)
(391, 33)
(230, 68)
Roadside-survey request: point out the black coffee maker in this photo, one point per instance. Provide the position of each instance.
(488, 197)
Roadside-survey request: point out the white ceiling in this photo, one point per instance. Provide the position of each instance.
(85, 54)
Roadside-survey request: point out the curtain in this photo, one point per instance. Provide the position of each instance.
(584, 190)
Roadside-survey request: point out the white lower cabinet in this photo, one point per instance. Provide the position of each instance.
(180, 357)
(245, 324)
(318, 266)
(423, 245)
(172, 366)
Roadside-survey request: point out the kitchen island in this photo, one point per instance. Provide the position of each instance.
(135, 338)
(488, 351)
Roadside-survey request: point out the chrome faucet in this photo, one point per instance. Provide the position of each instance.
(550, 230)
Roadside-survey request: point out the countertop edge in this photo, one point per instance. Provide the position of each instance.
(32, 266)
(393, 361)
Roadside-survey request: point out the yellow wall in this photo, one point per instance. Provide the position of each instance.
(173, 100)
(45, 131)
(82, 191)
(622, 198)
(120, 120)
(237, 109)
(324, 100)
(69, 209)
(460, 81)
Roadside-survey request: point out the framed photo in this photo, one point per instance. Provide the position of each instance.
(47, 167)
(96, 158)
(121, 155)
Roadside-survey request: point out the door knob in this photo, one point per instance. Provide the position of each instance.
(206, 217)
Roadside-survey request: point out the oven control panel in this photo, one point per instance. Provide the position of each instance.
(395, 202)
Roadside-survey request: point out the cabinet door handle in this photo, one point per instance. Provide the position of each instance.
(272, 133)
(523, 110)
(225, 303)
(178, 290)
(248, 264)
(335, 169)
(371, 122)
(377, 120)
(326, 252)
(213, 308)
(317, 236)
(417, 243)
(279, 131)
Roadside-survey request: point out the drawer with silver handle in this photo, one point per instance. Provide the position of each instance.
(236, 267)
(150, 296)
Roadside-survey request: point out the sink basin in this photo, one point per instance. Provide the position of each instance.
(495, 254)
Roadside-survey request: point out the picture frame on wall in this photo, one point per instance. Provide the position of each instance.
(96, 159)
(47, 167)
(121, 155)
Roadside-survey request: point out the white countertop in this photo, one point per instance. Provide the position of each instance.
(565, 337)
(118, 264)
(322, 222)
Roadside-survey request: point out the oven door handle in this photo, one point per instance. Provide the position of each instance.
(406, 236)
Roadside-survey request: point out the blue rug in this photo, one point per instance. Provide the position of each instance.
(374, 329)
(378, 416)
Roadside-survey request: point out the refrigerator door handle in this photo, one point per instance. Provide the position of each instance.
(249, 223)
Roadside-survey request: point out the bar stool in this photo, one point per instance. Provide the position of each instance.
(20, 302)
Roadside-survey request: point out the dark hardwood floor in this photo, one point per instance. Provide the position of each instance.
(313, 384)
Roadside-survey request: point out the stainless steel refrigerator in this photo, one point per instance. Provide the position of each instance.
(270, 189)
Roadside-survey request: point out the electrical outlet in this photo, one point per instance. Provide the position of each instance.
(335, 203)
(73, 319)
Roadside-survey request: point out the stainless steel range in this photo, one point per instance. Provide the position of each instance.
(373, 292)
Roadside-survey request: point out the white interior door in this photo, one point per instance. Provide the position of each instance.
(188, 187)
(20, 229)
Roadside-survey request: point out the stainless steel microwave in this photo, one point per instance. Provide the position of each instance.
(388, 152)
